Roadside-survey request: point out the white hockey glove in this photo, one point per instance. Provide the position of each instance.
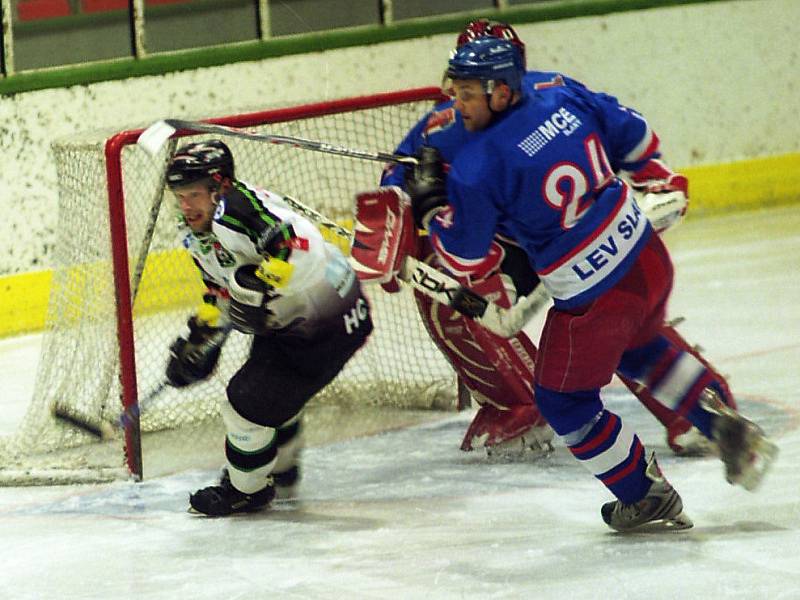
(663, 208)
(662, 195)
(250, 294)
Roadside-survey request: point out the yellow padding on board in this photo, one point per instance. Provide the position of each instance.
(756, 183)
(170, 280)
(23, 302)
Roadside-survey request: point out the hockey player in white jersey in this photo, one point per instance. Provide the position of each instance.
(268, 273)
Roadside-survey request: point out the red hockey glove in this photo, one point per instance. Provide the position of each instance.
(384, 236)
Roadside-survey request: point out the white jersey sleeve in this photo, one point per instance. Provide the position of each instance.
(322, 284)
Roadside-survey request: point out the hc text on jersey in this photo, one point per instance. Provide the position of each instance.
(357, 314)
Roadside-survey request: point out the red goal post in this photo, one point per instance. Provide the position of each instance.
(122, 290)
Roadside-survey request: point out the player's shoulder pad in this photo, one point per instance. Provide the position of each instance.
(237, 203)
(542, 81)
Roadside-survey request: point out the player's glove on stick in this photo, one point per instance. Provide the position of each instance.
(250, 295)
(662, 195)
(193, 358)
(426, 184)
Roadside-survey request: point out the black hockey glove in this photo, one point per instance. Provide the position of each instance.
(193, 359)
(426, 185)
(249, 297)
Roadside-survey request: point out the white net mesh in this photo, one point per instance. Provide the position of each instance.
(80, 367)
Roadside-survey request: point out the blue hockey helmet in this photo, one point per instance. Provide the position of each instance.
(488, 59)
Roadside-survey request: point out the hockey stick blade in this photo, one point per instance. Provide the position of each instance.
(93, 426)
(154, 137)
(152, 140)
(99, 427)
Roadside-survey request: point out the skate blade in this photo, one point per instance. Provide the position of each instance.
(676, 523)
(239, 513)
(520, 449)
(763, 455)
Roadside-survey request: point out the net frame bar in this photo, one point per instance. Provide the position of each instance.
(116, 204)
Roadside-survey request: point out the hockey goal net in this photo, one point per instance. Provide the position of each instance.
(123, 287)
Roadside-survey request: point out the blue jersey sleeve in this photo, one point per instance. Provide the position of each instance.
(441, 128)
(463, 232)
(630, 140)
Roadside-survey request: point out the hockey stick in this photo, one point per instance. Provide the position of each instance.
(106, 429)
(153, 138)
(445, 289)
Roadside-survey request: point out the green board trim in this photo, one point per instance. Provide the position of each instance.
(161, 63)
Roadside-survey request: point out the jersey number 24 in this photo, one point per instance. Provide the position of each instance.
(566, 186)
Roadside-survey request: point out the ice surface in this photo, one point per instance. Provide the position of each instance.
(404, 514)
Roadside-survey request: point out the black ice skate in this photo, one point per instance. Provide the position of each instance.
(287, 478)
(224, 499)
(743, 447)
(660, 510)
(285, 482)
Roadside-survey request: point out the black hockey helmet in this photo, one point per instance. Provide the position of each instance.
(194, 162)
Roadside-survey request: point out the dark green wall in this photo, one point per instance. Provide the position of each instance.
(299, 26)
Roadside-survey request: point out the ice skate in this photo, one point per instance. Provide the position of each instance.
(743, 446)
(684, 439)
(285, 483)
(224, 499)
(534, 443)
(516, 430)
(660, 510)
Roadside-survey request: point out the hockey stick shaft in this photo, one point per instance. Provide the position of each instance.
(105, 429)
(445, 289)
(153, 138)
(127, 416)
(132, 412)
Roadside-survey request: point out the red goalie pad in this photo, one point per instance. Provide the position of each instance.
(384, 235)
(497, 371)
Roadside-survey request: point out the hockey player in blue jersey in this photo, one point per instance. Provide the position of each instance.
(443, 128)
(538, 166)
